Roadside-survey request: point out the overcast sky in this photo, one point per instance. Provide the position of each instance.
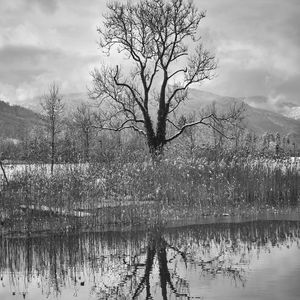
(256, 42)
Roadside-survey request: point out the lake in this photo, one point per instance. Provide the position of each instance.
(244, 260)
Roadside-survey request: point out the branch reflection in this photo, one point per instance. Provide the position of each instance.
(136, 265)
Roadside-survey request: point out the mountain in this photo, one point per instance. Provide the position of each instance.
(260, 121)
(260, 102)
(70, 101)
(288, 109)
(257, 118)
(16, 121)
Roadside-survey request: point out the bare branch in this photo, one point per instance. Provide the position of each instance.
(177, 72)
(173, 124)
(152, 34)
(212, 119)
(183, 128)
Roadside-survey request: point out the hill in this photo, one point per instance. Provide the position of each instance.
(70, 101)
(257, 119)
(288, 109)
(16, 121)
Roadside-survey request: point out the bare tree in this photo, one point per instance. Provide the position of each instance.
(190, 133)
(52, 113)
(3, 171)
(160, 38)
(83, 120)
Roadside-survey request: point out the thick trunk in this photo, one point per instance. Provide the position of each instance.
(156, 148)
(151, 252)
(156, 141)
(151, 138)
(161, 130)
(160, 138)
(164, 273)
(162, 114)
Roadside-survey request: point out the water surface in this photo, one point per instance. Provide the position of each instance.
(249, 260)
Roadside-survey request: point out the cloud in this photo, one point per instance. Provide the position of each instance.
(17, 6)
(256, 43)
(47, 6)
(289, 90)
(23, 63)
(28, 70)
(23, 34)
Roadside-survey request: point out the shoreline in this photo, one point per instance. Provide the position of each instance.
(286, 214)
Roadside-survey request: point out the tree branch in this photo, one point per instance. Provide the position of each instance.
(201, 121)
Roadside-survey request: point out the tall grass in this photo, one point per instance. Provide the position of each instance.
(131, 193)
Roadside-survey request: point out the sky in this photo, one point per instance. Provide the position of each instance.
(256, 43)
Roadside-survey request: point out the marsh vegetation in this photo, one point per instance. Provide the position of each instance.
(122, 194)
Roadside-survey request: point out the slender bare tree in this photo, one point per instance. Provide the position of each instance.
(3, 171)
(83, 120)
(160, 38)
(52, 113)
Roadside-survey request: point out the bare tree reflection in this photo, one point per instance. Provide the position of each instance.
(135, 265)
(165, 257)
(159, 247)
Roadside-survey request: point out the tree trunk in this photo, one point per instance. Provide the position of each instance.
(151, 138)
(151, 251)
(164, 273)
(162, 118)
(3, 171)
(52, 152)
(87, 146)
(156, 149)
(156, 141)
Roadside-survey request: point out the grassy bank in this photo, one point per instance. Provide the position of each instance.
(140, 192)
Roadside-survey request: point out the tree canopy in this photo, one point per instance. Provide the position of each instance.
(160, 38)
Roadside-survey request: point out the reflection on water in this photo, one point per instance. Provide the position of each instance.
(253, 260)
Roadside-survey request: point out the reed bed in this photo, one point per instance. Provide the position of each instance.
(142, 192)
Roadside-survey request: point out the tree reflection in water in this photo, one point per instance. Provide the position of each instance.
(137, 265)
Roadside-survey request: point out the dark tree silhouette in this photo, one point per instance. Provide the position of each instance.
(158, 247)
(157, 37)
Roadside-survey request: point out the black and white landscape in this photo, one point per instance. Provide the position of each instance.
(149, 149)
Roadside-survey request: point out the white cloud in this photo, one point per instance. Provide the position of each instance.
(23, 35)
(256, 43)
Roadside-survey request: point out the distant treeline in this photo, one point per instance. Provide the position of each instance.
(74, 145)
